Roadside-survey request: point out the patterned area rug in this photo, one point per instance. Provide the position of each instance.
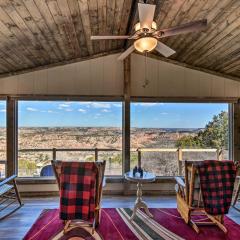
(116, 225)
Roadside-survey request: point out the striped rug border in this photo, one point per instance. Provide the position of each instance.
(144, 227)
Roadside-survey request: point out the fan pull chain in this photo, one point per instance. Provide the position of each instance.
(146, 82)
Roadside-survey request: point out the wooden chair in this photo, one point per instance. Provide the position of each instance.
(8, 195)
(69, 224)
(189, 199)
(237, 192)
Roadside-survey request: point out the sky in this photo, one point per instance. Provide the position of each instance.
(109, 114)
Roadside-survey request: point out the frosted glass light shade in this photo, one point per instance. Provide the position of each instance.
(145, 44)
(138, 26)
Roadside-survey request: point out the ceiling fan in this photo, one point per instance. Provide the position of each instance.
(146, 34)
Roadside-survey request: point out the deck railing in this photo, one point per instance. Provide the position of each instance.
(179, 151)
(140, 151)
(55, 150)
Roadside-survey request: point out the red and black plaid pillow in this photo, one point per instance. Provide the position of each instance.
(217, 182)
(77, 190)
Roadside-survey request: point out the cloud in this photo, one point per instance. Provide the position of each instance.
(63, 105)
(95, 104)
(68, 109)
(106, 111)
(3, 110)
(100, 105)
(146, 104)
(47, 111)
(82, 110)
(117, 105)
(164, 113)
(31, 109)
(150, 104)
(84, 103)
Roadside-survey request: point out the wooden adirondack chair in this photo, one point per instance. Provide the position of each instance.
(70, 224)
(8, 195)
(237, 194)
(189, 200)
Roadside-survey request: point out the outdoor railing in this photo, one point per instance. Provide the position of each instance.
(140, 151)
(179, 151)
(55, 150)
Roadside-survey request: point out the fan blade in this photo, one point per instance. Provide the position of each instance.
(164, 49)
(109, 37)
(182, 29)
(146, 14)
(126, 53)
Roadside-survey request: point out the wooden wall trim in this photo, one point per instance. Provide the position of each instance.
(236, 132)
(12, 145)
(113, 98)
(185, 99)
(126, 115)
(116, 98)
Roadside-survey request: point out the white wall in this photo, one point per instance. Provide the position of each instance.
(162, 79)
(99, 76)
(104, 76)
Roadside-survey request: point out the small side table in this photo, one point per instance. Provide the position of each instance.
(139, 203)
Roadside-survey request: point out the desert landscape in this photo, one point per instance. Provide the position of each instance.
(31, 139)
(165, 164)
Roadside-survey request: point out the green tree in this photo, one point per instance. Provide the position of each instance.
(214, 135)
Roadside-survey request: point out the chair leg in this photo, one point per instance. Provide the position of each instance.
(236, 194)
(17, 197)
(194, 226)
(66, 226)
(93, 227)
(17, 192)
(97, 217)
(218, 221)
(8, 214)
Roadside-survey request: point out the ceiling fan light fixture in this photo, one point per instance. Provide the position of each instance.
(154, 25)
(145, 44)
(137, 26)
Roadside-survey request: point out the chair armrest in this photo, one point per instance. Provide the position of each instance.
(8, 180)
(180, 182)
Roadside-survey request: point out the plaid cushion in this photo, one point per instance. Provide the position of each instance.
(77, 190)
(217, 182)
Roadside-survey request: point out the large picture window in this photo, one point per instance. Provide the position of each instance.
(3, 144)
(83, 131)
(165, 133)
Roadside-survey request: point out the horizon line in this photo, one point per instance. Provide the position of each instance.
(103, 127)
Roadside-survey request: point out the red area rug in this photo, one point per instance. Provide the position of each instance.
(115, 225)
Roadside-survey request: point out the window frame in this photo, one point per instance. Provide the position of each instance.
(229, 101)
(70, 99)
(133, 99)
(4, 98)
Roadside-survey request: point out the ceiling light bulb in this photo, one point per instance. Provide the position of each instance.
(145, 44)
(137, 26)
(154, 25)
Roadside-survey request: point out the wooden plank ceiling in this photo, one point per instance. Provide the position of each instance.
(37, 33)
